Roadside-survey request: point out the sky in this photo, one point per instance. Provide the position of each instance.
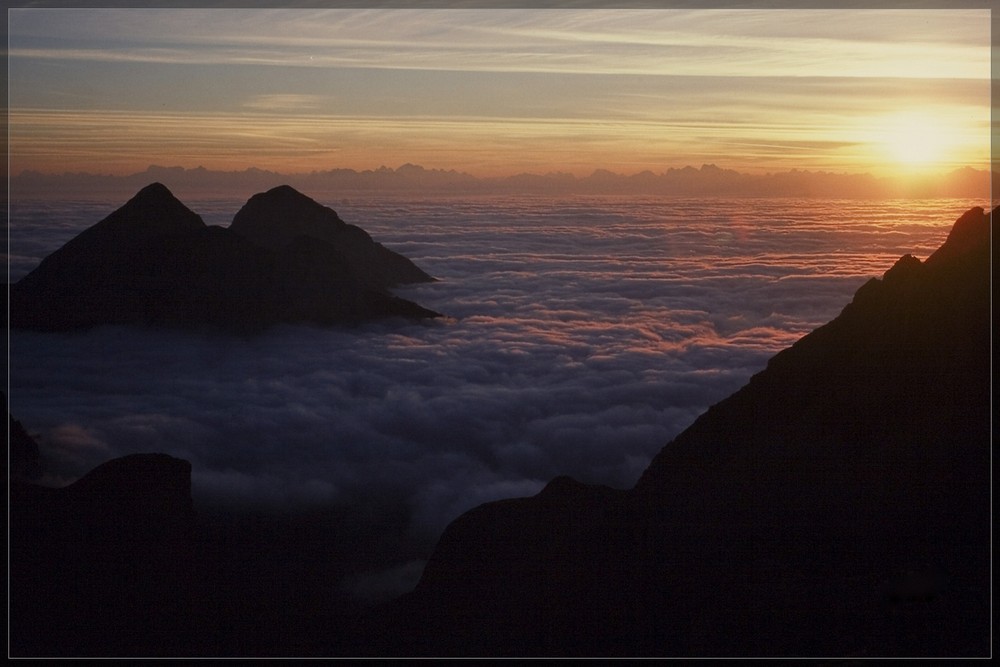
(495, 92)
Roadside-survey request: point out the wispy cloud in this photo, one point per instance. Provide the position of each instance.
(489, 90)
(710, 43)
(285, 102)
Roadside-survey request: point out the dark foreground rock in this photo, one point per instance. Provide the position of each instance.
(837, 505)
(23, 456)
(154, 262)
(104, 565)
(119, 565)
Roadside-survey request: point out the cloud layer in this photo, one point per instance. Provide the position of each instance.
(785, 42)
(583, 334)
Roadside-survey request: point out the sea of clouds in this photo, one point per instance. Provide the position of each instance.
(582, 334)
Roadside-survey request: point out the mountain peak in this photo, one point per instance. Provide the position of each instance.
(154, 190)
(279, 218)
(284, 192)
(286, 195)
(151, 215)
(154, 209)
(155, 193)
(275, 218)
(970, 231)
(905, 267)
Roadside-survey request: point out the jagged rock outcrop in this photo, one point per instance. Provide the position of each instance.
(155, 262)
(838, 504)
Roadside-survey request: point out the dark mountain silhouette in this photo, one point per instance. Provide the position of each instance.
(278, 218)
(155, 262)
(103, 565)
(838, 504)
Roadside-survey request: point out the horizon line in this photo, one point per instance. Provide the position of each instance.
(925, 172)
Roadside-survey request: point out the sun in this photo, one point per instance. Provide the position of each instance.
(916, 140)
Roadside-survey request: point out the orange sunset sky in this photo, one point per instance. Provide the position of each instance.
(499, 91)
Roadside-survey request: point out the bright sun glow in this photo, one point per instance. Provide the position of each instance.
(917, 140)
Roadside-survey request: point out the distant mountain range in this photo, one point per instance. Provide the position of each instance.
(708, 180)
(284, 258)
(837, 505)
